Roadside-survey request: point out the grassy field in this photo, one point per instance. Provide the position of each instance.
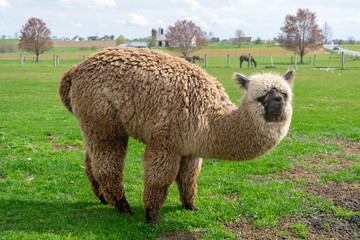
(308, 187)
(354, 47)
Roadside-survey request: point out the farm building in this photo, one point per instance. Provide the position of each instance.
(158, 38)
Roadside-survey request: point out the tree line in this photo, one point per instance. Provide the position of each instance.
(299, 33)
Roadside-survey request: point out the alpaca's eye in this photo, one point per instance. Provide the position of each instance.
(285, 95)
(261, 99)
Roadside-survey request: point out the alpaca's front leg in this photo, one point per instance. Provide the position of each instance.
(160, 170)
(186, 180)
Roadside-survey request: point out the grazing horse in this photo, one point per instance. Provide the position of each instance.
(193, 59)
(198, 58)
(246, 58)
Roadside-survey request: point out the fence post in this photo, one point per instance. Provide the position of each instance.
(295, 61)
(57, 60)
(271, 61)
(21, 60)
(249, 62)
(54, 58)
(228, 60)
(315, 61)
(342, 61)
(206, 61)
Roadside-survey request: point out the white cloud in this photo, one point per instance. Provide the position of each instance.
(89, 3)
(192, 4)
(228, 9)
(353, 19)
(120, 21)
(160, 22)
(4, 4)
(138, 20)
(74, 24)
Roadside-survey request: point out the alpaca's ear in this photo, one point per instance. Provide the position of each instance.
(242, 80)
(289, 76)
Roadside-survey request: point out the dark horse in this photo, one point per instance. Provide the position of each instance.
(246, 58)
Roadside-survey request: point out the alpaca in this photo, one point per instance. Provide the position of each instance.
(246, 58)
(180, 112)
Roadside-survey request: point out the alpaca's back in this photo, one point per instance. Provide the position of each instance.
(144, 92)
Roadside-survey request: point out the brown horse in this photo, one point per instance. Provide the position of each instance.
(246, 58)
(198, 58)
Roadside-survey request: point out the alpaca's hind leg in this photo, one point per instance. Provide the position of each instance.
(160, 170)
(107, 154)
(186, 180)
(94, 184)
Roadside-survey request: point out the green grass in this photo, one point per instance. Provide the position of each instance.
(327, 62)
(44, 193)
(354, 47)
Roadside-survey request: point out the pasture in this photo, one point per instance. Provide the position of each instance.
(308, 187)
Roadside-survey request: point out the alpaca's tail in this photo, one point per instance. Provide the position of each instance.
(64, 89)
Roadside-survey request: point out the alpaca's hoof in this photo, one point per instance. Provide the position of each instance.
(152, 216)
(124, 207)
(191, 207)
(102, 200)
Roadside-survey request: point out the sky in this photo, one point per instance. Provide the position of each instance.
(136, 18)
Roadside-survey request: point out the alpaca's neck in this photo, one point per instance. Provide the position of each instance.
(240, 135)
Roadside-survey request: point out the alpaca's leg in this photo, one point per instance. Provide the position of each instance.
(186, 180)
(160, 170)
(94, 184)
(107, 153)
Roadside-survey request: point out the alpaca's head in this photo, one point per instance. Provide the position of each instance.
(268, 94)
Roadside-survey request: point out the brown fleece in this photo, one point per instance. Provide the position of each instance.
(180, 112)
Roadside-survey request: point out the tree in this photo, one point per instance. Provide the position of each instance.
(35, 37)
(351, 40)
(301, 32)
(185, 36)
(240, 37)
(120, 40)
(258, 40)
(327, 31)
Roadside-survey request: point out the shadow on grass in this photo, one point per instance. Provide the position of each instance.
(90, 220)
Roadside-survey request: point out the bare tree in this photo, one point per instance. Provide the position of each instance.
(327, 31)
(35, 37)
(301, 32)
(185, 36)
(240, 37)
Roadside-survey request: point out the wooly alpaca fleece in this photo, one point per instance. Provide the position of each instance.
(180, 112)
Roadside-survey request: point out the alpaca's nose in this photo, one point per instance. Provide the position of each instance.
(278, 97)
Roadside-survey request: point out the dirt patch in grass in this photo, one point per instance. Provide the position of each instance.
(343, 194)
(349, 147)
(315, 166)
(307, 177)
(315, 226)
(180, 235)
(67, 147)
